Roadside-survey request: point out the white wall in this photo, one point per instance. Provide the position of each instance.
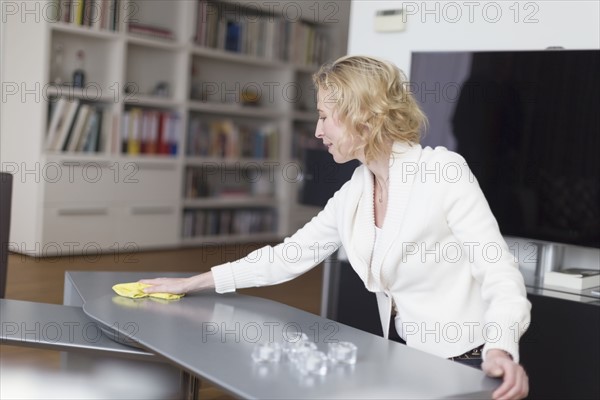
(469, 25)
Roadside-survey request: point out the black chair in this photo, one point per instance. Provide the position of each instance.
(5, 203)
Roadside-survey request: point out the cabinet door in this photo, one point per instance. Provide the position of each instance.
(77, 229)
(147, 225)
(153, 182)
(561, 349)
(79, 181)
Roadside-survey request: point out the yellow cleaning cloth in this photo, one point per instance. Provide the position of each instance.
(134, 290)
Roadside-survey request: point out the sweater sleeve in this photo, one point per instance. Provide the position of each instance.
(271, 265)
(492, 265)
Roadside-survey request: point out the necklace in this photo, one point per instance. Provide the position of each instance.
(380, 199)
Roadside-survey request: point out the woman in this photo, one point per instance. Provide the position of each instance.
(414, 224)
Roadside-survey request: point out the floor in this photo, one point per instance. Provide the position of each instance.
(41, 280)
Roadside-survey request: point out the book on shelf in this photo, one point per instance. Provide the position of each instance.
(213, 182)
(57, 114)
(224, 138)
(149, 136)
(233, 36)
(95, 14)
(161, 134)
(146, 131)
(150, 30)
(124, 137)
(228, 222)
(135, 129)
(260, 35)
(173, 133)
(225, 222)
(573, 278)
(77, 127)
(94, 131)
(61, 135)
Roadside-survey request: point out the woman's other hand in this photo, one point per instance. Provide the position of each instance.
(498, 364)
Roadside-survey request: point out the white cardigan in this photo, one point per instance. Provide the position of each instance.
(441, 259)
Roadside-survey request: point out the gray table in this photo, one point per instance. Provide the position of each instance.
(212, 337)
(58, 327)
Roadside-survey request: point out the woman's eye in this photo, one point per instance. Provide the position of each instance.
(322, 118)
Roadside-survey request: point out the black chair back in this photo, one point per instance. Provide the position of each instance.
(5, 203)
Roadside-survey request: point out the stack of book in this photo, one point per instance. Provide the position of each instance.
(243, 31)
(226, 181)
(146, 131)
(228, 222)
(151, 30)
(77, 127)
(96, 14)
(227, 139)
(573, 278)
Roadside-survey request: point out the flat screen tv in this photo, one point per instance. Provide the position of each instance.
(528, 125)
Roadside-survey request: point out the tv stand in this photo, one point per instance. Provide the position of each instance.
(551, 257)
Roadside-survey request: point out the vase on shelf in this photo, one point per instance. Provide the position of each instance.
(79, 73)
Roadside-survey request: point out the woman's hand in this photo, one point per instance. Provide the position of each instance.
(515, 383)
(180, 285)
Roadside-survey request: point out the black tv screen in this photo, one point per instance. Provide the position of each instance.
(528, 124)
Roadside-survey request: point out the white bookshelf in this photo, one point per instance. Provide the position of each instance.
(108, 200)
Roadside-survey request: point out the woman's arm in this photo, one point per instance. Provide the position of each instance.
(268, 265)
(265, 266)
(492, 264)
(502, 287)
(298, 253)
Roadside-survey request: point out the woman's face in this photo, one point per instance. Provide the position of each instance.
(330, 130)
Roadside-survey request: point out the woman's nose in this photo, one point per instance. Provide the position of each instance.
(319, 130)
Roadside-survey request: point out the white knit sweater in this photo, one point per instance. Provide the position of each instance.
(441, 258)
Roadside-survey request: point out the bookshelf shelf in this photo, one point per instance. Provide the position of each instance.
(241, 58)
(306, 69)
(165, 44)
(243, 162)
(219, 239)
(106, 160)
(305, 116)
(230, 202)
(84, 31)
(158, 161)
(66, 158)
(237, 57)
(152, 101)
(147, 84)
(89, 93)
(235, 110)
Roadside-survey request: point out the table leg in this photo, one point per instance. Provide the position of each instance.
(190, 385)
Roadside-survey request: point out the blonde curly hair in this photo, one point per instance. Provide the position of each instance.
(372, 101)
